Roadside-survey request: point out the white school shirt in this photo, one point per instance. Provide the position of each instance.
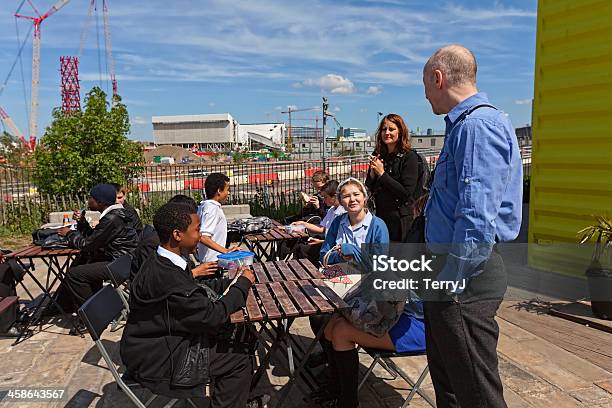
(330, 216)
(174, 258)
(213, 224)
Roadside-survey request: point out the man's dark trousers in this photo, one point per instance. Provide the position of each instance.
(461, 335)
(81, 282)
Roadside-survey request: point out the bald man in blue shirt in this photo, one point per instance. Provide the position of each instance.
(475, 202)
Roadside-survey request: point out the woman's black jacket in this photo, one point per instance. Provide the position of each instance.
(394, 192)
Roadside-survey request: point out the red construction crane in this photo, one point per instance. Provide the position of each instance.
(36, 61)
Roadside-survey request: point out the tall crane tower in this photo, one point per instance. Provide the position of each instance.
(109, 47)
(93, 6)
(289, 111)
(37, 21)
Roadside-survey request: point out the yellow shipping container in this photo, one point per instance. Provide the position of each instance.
(571, 175)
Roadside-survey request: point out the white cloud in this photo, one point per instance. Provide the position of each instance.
(394, 78)
(363, 110)
(139, 121)
(278, 108)
(523, 101)
(292, 107)
(211, 104)
(333, 83)
(337, 109)
(374, 90)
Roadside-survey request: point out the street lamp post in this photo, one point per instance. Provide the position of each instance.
(325, 106)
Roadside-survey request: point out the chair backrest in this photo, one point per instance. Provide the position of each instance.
(119, 269)
(100, 310)
(147, 231)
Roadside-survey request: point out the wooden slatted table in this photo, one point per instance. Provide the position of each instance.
(57, 261)
(266, 246)
(285, 290)
(295, 269)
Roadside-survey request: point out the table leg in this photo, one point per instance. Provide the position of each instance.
(298, 371)
(276, 342)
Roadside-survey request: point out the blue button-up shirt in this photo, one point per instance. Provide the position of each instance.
(476, 195)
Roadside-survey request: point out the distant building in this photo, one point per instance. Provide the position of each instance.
(264, 135)
(314, 150)
(305, 133)
(427, 141)
(523, 134)
(351, 133)
(211, 132)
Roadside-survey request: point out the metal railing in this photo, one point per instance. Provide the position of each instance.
(266, 186)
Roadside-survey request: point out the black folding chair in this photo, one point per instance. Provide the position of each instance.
(383, 357)
(119, 272)
(97, 313)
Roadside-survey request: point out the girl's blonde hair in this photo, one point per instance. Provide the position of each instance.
(355, 182)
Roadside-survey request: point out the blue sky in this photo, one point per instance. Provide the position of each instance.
(253, 59)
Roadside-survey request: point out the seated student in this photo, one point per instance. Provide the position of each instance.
(347, 233)
(172, 317)
(112, 237)
(315, 205)
(357, 226)
(212, 219)
(341, 337)
(135, 218)
(150, 241)
(311, 249)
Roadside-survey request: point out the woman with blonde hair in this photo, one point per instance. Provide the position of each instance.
(347, 233)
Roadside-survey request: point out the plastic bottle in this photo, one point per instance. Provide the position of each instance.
(66, 220)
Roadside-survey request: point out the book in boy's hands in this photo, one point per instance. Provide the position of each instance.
(305, 197)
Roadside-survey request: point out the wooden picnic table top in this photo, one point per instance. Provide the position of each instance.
(293, 270)
(36, 251)
(276, 233)
(288, 299)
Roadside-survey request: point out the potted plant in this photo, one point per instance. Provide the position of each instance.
(599, 272)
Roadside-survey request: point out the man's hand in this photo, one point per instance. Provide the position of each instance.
(205, 269)
(247, 273)
(233, 249)
(62, 232)
(300, 222)
(377, 165)
(76, 215)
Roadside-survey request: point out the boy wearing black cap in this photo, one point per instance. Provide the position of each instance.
(112, 237)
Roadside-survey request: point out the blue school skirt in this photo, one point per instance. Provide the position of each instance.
(408, 334)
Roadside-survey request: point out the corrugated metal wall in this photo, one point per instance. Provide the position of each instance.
(572, 128)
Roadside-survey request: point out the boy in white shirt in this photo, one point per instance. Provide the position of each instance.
(212, 219)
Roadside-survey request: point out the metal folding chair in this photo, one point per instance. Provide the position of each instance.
(97, 313)
(383, 357)
(119, 272)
